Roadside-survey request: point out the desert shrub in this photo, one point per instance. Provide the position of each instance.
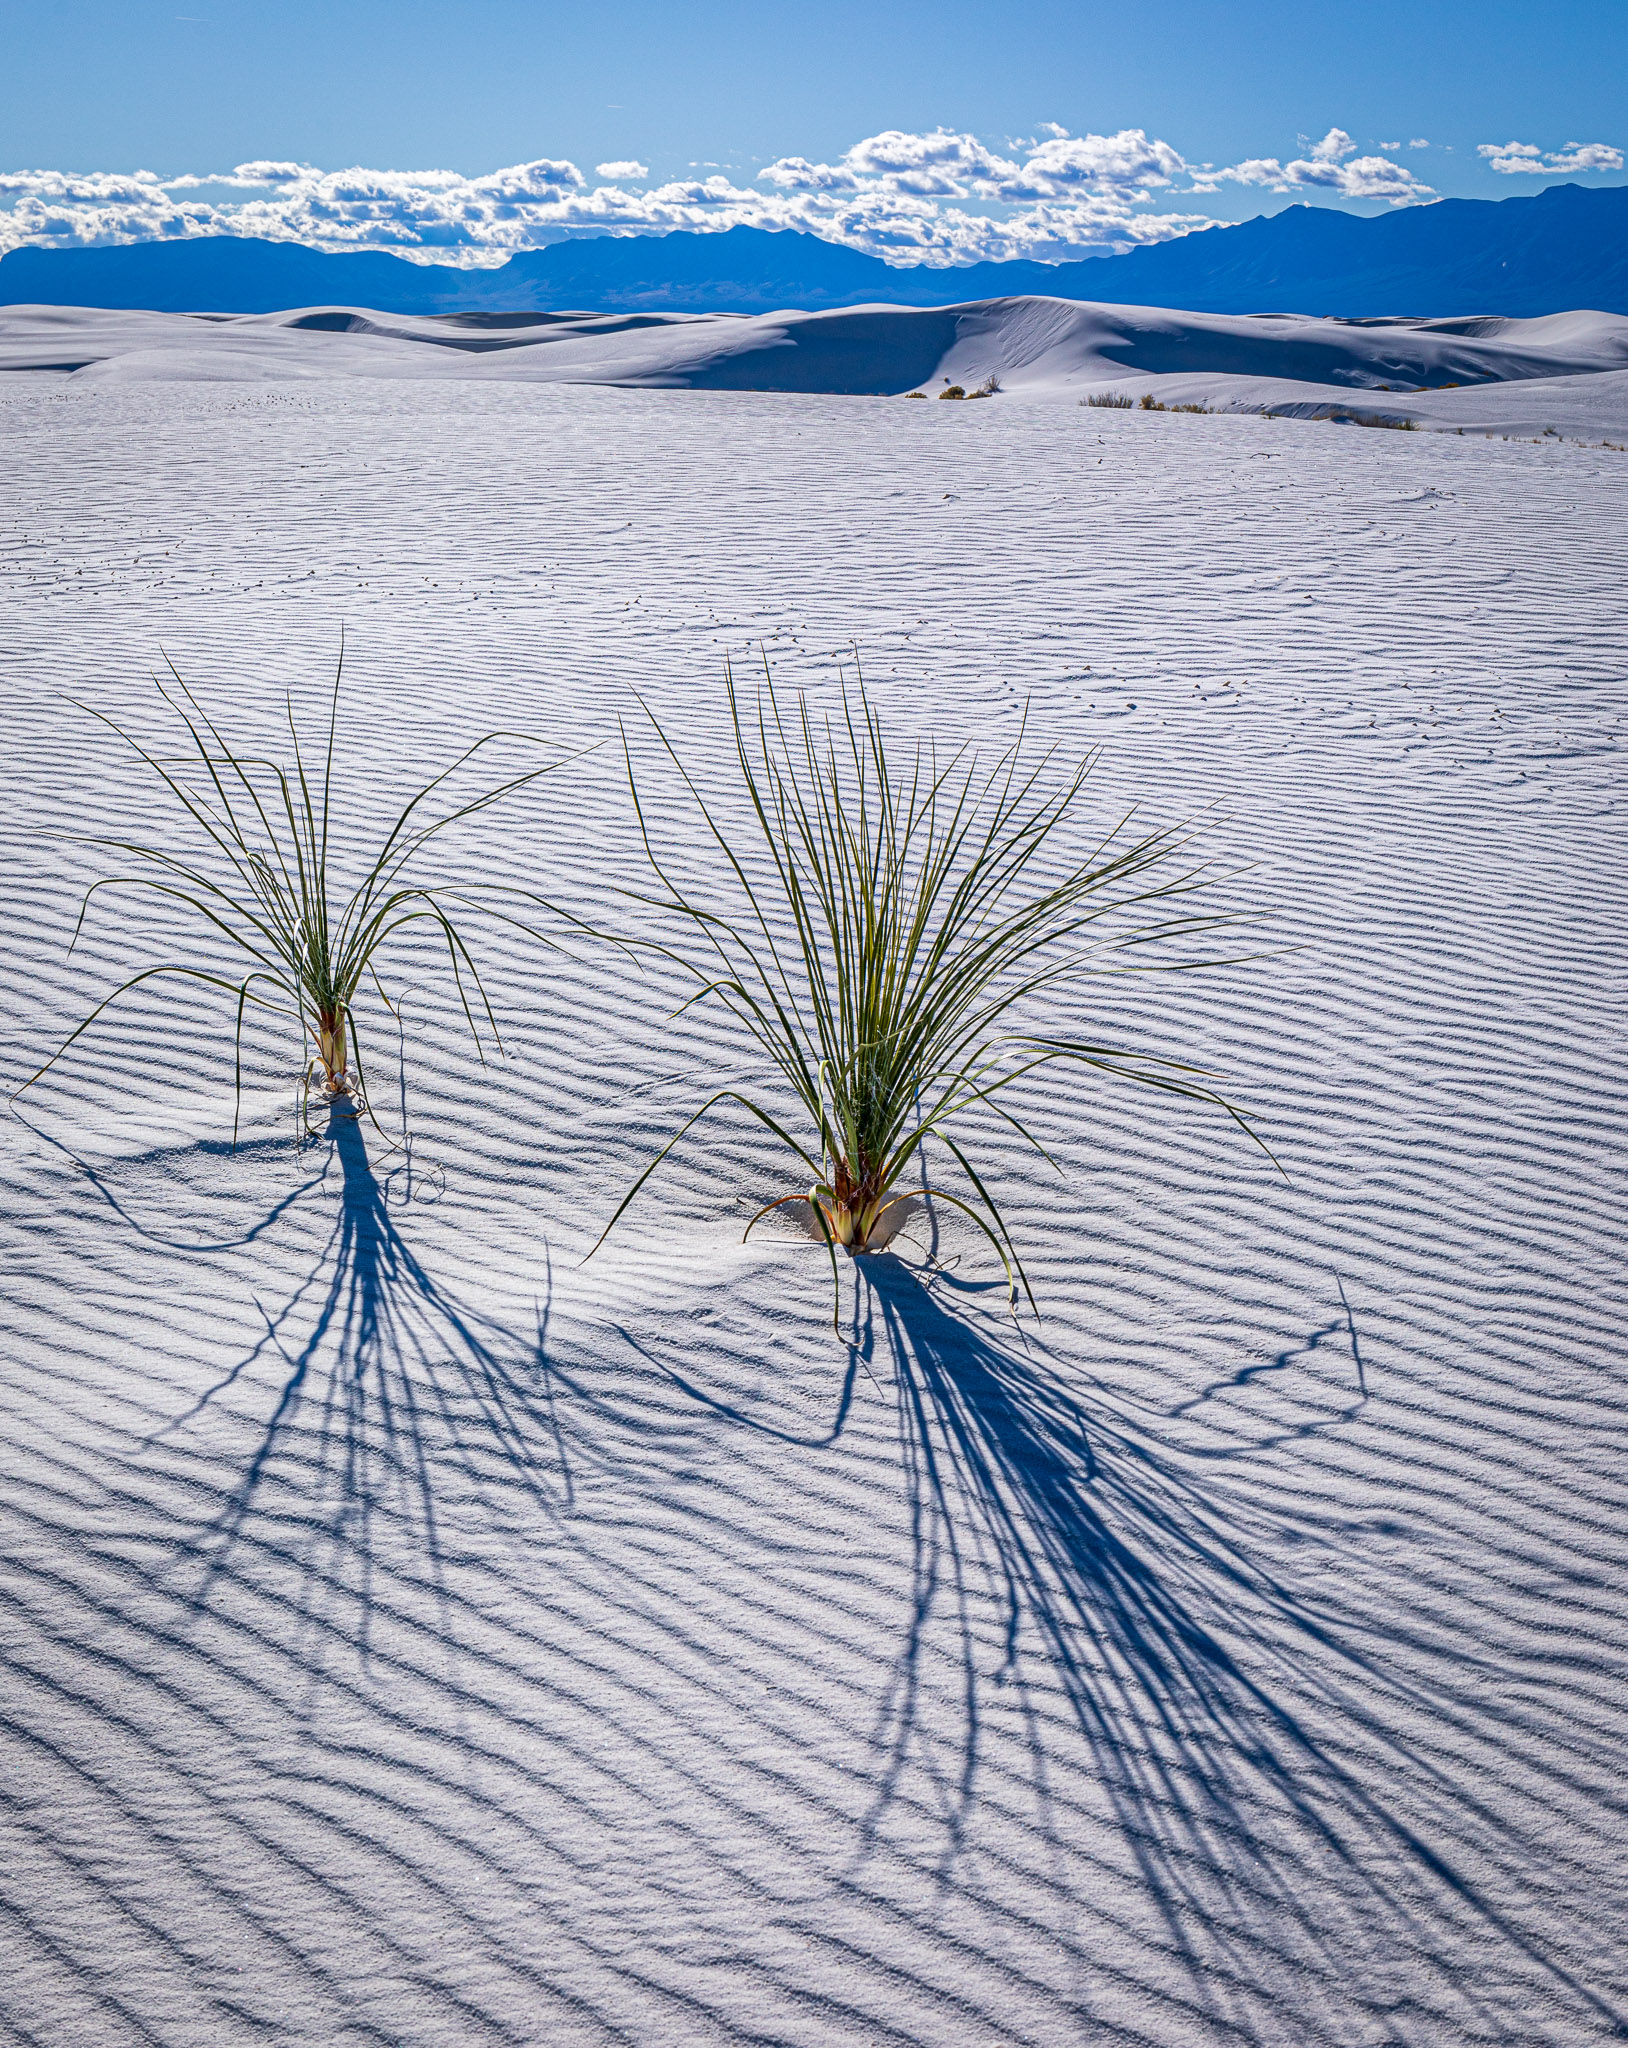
(1150, 403)
(952, 391)
(263, 879)
(987, 389)
(896, 914)
(1112, 401)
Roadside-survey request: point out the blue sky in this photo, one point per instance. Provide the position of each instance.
(943, 132)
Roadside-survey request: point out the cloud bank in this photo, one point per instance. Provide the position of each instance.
(1514, 157)
(1332, 165)
(939, 197)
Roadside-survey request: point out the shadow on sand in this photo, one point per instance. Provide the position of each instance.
(1233, 1733)
(392, 1389)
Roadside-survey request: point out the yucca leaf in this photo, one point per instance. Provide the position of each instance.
(890, 920)
(265, 882)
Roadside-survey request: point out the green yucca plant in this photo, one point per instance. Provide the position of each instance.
(897, 918)
(265, 881)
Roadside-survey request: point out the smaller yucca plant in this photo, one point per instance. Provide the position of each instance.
(264, 880)
(897, 917)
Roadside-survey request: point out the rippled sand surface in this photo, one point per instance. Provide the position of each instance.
(412, 1635)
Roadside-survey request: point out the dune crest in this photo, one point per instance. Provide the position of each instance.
(1481, 372)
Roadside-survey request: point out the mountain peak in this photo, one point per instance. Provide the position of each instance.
(1563, 247)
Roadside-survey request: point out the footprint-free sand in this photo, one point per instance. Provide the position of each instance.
(413, 1635)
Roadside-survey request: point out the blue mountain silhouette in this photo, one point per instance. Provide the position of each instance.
(1565, 247)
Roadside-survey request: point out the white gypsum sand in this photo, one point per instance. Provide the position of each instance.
(413, 1635)
(1566, 373)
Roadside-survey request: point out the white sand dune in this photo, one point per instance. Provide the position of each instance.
(413, 1635)
(1036, 348)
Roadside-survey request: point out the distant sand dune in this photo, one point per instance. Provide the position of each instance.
(1052, 348)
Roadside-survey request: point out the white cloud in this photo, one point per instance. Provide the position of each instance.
(542, 180)
(941, 162)
(1335, 145)
(1512, 158)
(445, 216)
(1418, 142)
(1129, 162)
(264, 173)
(72, 188)
(945, 164)
(938, 196)
(1363, 177)
(1333, 166)
(797, 174)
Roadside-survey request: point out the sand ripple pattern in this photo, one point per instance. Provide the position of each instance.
(413, 1636)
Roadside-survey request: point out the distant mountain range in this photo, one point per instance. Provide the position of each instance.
(1566, 247)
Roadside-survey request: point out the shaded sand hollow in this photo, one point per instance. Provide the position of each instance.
(1563, 374)
(412, 1635)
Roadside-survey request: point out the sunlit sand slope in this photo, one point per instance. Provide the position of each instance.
(411, 1635)
(1567, 371)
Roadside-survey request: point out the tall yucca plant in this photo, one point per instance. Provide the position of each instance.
(897, 918)
(265, 880)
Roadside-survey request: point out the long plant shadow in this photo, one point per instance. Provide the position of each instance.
(1126, 1602)
(102, 1184)
(392, 1389)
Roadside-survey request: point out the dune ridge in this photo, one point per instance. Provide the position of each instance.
(414, 1635)
(1568, 371)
